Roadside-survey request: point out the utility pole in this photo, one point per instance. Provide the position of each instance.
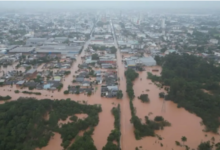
(163, 109)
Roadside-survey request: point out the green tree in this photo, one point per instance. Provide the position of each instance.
(158, 118)
(119, 94)
(177, 143)
(204, 146)
(66, 92)
(95, 57)
(144, 98)
(113, 50)
(184, 139)
(163, 50)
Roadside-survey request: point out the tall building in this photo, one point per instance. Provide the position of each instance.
(163, 25)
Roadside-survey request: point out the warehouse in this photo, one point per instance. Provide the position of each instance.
(142, 61)
(58, 50)
(23, 50)
(35, 41)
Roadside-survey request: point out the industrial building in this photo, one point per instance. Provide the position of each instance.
(142, 61)
(23, 50)
(58, 50)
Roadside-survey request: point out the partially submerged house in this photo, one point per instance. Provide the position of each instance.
(30, 74)
(109, 91)
(78, 90)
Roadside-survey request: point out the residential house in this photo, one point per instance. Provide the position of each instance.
(106, 66)
(213, 41)
(99, 80)
(78, 89)
(98, 73)
(79, 79)
(57, 78)
(20, 83)
(52, 85)
(31, 74)
(109, 91)
(31, 84)
(85, 83)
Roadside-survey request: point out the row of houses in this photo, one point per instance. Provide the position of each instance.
(109, 87)
(33, 79)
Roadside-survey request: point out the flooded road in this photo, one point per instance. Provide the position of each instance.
(106, 119)
(182, 122)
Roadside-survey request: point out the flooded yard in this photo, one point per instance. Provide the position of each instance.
(182, 122)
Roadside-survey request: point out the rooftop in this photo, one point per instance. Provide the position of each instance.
(22, 49)
(31, 71)
(36, 39)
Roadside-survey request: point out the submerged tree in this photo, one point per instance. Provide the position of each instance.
(204, 146)
(119, 94)
(184, 139)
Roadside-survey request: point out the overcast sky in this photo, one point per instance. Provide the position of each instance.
(106, 4)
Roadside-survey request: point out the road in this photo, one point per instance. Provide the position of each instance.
(125, 109)
(77, 62)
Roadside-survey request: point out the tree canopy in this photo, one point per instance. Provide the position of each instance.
(144, 98)
(188, 76)
(95, 57)
(116, 133)
(146, 129)
(205, 146)
(23, 125)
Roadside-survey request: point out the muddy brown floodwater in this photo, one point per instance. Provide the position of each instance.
(62, 122)
(54, 143)
(106, 119)
(182, 122)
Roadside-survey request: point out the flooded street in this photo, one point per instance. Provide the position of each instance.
(106, 119)
(182, 122)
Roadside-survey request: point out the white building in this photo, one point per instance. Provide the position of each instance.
(170, 51)
(217, 54)
(213, 41)
(163, 25)
(141, 35)
(144, 61)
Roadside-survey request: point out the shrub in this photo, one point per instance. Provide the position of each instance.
(66, 92)
(30, 88)
(161, 94)
(144, 98)
(27, 92)
(17, 91)
(158, 118)
(89, 93)
(5, 98)
(67, 72)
